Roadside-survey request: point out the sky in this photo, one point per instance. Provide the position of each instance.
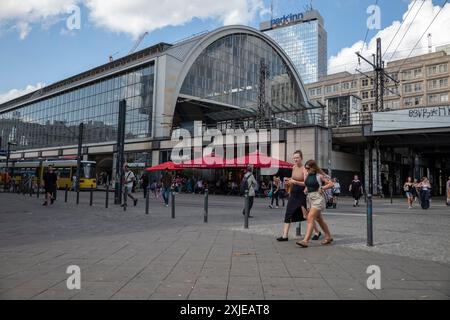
(45, 41)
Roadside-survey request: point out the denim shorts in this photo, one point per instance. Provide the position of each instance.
(409, 194)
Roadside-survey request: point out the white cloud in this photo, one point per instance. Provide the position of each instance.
(22, 15)
(132, 17)
(14, 93)
(136, 16)
(346, 59)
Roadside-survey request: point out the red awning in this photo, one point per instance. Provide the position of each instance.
(206, 162)
(261, 160)
(164, 166)
(257, 159)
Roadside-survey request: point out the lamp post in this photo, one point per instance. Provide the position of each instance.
(8, 153)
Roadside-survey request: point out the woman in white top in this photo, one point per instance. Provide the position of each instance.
(425, 193)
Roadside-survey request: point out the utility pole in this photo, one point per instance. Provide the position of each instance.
(380, 75)
(379, 81)
(8, 155)
(120, 151)
(79, 156)
(264, 112)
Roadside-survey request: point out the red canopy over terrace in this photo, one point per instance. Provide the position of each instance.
(206, 162)
(257, 159)
(261, 160)
(164, 166)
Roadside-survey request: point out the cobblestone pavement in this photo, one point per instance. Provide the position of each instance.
(130, 255)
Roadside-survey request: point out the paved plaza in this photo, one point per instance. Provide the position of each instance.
(131, 255)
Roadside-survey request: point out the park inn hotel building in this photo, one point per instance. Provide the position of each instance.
(213, 77)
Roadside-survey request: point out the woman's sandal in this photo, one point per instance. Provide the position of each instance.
(302, 244)
(326, 242)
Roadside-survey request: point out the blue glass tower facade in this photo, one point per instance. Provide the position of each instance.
(304, 39)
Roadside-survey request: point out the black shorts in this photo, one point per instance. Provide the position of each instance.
(50, 190)
(336, 194)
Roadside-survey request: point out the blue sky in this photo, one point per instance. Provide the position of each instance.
(46, 54)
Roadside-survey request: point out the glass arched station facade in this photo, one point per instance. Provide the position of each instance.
(228, 71)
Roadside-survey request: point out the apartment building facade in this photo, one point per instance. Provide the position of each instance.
(423, 82)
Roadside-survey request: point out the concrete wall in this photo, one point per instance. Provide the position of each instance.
(304, 139)
(345, 161)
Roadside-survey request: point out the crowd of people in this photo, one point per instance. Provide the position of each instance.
(421, 191)
(279, 190)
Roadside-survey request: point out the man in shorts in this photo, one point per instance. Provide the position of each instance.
(129, 179)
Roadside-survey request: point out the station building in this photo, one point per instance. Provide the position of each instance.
(214, 77)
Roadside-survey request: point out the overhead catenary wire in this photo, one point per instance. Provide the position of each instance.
(418, 41)
(399, 28)
(409, 27)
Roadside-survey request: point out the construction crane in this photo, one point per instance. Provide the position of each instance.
(138, 42)
(135, 45)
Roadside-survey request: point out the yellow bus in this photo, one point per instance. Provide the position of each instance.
(65, 169)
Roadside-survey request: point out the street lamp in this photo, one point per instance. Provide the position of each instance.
(8, 154)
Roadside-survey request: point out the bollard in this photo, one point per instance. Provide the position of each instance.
(147, 202)
(78, 194)
(38, 189)
(107, 196)
(65, 193)
(369, 221)
(391, 194)
(246, 209)
(91, 199)
(298, 230)
(172, 195)
(125, 195)
(205, 218)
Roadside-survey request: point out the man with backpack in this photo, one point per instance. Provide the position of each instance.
(128, 181)
(249, 183)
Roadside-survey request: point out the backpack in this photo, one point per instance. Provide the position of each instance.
(244, 184)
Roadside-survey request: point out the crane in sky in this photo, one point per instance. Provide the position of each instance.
(138, 42)
(133, 48)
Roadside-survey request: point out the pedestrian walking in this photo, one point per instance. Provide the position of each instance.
(408, 188)
(296, 206)
(129, 181)
(415, 191)
(356, 189)
(144, 184)
(166, 185)
(249, 184)
(336, 191)
(316, 183)
(448, 192)
(425, 193)
(282, 191)
(50, 180)
(153, 188)
(275, 191)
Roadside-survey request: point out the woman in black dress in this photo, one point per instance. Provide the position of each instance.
(356, 190)
(296, 207)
